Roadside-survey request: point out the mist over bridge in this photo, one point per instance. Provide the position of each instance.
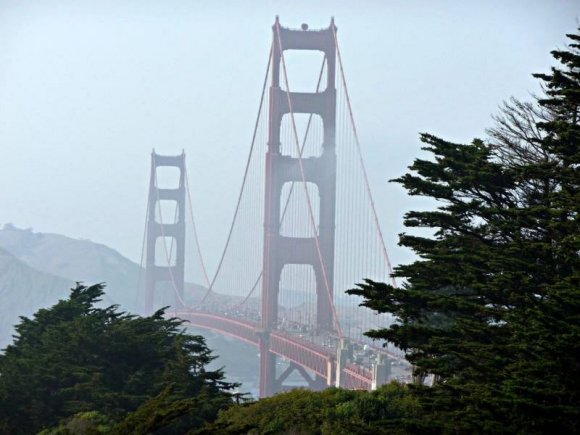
(304, 231)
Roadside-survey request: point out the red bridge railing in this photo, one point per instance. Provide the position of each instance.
(237, 328)
(357, 378)
(318, 359)
(303, 353)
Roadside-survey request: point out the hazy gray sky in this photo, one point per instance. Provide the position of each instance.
(88, 88)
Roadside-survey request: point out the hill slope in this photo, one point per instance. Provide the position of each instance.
(76, 260)
(23, 290)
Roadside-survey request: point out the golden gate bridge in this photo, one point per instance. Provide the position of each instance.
(304, 231)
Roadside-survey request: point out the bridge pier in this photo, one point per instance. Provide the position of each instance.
(268, 382)
(381, 371)
(343, 357)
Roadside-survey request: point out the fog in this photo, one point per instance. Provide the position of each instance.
(89, 88)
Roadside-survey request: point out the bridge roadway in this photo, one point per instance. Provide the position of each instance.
(309, 355)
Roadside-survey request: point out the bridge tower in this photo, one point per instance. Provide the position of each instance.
(280, 169)
(158, 232)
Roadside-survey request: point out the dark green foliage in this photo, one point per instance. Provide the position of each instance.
(388, 410)
(83, 423)
(492, 307)
(166, 415)
(75, 358)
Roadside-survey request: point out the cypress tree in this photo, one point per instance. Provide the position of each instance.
(492, 305)
(75, 358)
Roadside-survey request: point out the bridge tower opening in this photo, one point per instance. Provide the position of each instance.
(165, 239)
(281, 250)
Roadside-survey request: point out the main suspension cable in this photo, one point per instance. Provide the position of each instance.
(194, 227)
(140, 277)
(210, 288)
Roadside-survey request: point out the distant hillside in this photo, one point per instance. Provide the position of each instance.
(88, 262)
(76, 260)
(23, 290)
(38, 269)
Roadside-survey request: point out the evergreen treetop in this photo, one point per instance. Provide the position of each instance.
(76, 357)
(492, 305)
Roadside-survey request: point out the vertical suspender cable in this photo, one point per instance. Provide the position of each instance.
(287, 202)
(142, 253)
(245, 177)
(375, 218)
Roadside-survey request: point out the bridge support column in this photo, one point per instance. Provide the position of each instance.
(280, 250)
(267, 367)
(381, 371)
(171, 274)
(343, 357)
(330, 373)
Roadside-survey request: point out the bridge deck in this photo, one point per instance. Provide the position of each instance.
(320, 360)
